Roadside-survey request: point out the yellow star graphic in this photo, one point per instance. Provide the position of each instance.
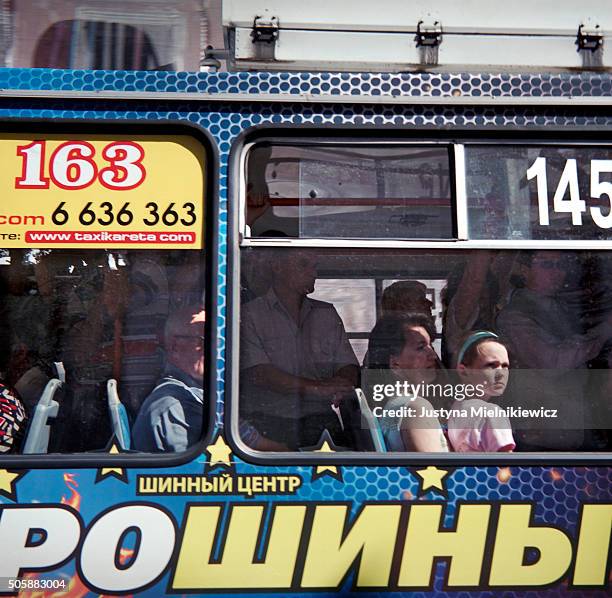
(219, 453)
(321, 469)
(116, 472)
(7, 482)
(432, 478)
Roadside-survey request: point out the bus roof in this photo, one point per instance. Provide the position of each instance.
(396, 35)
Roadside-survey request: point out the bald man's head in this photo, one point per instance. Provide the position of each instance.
(184, 340)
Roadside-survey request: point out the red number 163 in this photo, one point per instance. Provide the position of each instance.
(72, 166)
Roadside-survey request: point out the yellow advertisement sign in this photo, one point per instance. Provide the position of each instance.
(101, 191)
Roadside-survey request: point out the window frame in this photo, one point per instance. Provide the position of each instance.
(208, 257)
(456, 228)
(237, 241)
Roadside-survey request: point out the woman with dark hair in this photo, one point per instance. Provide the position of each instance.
(401, 360)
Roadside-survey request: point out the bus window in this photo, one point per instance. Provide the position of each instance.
(102, 316)
(539, 192)
(87, 317)
(349, 190)
(453, 349)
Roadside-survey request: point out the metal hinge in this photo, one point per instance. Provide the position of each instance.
(428, 35)
(265, 30)
(589, 38)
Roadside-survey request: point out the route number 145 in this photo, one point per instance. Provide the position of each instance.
(568, 182)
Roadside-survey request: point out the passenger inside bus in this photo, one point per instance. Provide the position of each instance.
(172, 416)
(489, 286)
(13, 420)
(89, 317)
(400, 350)
(473, 296)
(482, 360)
(29, 310)
(297, 365)
(406, 296)
(307, 317)
(544, 334)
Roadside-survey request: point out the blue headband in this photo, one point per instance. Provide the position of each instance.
(474, 338)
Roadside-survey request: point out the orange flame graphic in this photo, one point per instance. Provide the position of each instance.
(125, 554)
(555, 475)
(76, 589)
(75, 498)
(503, 475)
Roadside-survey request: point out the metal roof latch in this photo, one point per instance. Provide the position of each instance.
(589, 38)
(590, 42)
(428, 35)
(265, 30)
(428, 39)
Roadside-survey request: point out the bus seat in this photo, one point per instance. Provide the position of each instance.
(368, 419)
(118, 415)
(37, 438)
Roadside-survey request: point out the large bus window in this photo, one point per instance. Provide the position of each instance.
(349, 190)
(102, 281)
(90, 316)
(472, 351)
(534, 191)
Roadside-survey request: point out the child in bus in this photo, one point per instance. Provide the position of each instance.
(475, 425)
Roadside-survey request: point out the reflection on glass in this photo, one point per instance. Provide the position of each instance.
(540, 322)
(86, 317)
(99, 34)
(539, 192)
(349, 191)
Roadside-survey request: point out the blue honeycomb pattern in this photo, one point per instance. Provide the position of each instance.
(340, 84)
(557, 491)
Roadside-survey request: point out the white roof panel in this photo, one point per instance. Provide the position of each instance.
(528, 17)
(382, 35)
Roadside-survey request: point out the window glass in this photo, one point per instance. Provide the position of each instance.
(355, 301)
(349, 191)
(539, 192)
(469, 350)
(91, 316)
(109, 34)
(102, 284)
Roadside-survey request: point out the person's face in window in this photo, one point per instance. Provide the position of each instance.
(490, 367)
(185, 343)
(298, 272)
(546, 274)
(192, 349)
(417, 358)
